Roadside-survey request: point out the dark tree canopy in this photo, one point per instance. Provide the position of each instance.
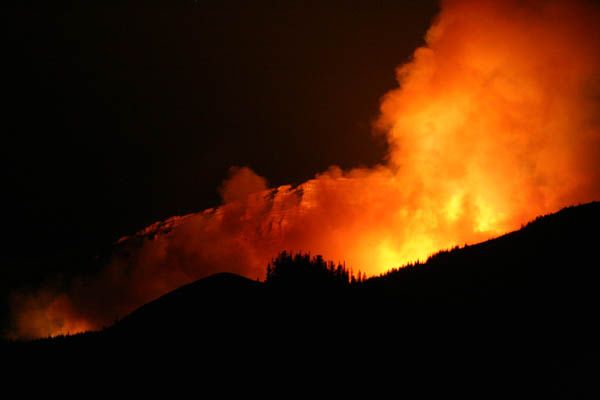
(305, 271)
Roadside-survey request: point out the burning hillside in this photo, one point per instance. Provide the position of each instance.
(494, 122)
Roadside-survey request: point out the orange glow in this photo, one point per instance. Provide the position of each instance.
(48, 314)
(494, 122)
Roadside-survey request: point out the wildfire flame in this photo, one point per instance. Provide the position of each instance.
(495, 121)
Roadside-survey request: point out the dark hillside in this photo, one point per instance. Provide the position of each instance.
(552, 260)
(511, 315)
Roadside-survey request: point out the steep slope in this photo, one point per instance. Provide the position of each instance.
(552, 259)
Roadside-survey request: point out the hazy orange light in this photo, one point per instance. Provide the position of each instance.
(494, 122)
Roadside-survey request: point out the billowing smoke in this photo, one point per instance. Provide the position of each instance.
(241, 183)
(495, 121)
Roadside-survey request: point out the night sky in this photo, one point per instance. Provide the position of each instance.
(118, 116)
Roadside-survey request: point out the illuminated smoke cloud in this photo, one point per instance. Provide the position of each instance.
(495, 121)
(241, 183)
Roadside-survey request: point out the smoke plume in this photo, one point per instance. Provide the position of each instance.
(495, 120)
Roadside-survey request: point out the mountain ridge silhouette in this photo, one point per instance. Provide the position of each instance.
(522, 303)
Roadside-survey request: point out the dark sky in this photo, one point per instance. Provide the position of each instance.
(117, 116)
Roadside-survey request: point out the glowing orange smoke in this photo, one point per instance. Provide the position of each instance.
(496, 121)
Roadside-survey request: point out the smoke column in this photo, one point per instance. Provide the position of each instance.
(495, 121)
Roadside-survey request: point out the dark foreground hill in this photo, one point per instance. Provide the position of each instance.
(513, 315)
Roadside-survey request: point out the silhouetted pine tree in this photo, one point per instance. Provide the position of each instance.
(303, 271)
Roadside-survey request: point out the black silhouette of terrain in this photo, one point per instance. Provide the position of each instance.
(513, 315)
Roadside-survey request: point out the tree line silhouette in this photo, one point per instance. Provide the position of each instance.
(304, 270)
